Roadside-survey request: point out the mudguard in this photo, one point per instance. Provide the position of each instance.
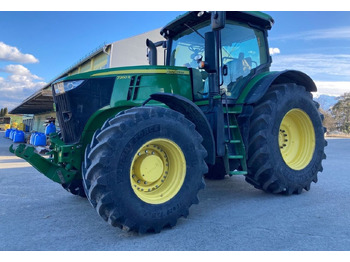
(193, 113)
(259, 85)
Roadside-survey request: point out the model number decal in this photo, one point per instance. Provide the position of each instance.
(123, 77)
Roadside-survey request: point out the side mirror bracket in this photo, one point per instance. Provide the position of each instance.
(218, 20)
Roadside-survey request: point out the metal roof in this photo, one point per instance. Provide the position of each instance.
(40, 102)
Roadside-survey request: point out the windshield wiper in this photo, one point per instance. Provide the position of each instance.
(194, 30)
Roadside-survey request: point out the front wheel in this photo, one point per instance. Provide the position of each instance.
(144, 168)
(286, 141)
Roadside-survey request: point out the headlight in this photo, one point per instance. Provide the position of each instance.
(63, 87)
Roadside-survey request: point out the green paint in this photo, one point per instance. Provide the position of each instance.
(50, 169)
(245, 92)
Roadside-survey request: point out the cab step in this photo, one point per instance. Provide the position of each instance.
(235, 157)
(237, 172)
(231, 126)
(233, 141)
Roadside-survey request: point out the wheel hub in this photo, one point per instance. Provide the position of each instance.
(157, 171)
(151, 168)
(282, 139)
(296, 139)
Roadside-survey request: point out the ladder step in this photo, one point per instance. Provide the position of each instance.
(237, 111)
(234, 141)
(238, 173)
(235, 157)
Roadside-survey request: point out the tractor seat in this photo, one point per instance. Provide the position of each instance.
(236, 68)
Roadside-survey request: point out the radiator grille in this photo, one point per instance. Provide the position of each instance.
(75, 107)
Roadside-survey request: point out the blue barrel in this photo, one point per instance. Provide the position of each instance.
(19, 137)
(32, 137)
(51, 128)
(7, 133)
(40, 139)
(12, 133)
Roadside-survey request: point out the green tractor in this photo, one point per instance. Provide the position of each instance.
(139, 141)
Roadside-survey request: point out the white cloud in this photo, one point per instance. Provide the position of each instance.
(19, 84)
(12, 54)
(19, 70)
(321, 66)
(332, 88)
(331, 73)
(274, 50)
(329, 33)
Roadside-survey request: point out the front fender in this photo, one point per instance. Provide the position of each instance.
(97, 120)
(193, 113)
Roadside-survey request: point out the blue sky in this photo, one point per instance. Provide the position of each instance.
(317, 43)
(35, 47)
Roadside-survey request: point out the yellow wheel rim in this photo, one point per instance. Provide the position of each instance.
(158, 171)
(296, 139)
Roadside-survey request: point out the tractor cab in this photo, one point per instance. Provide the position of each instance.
(236, 50)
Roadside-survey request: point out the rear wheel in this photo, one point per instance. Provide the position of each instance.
(286, 141)
(144, 169)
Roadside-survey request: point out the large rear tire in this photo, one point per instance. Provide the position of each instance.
(286, 141)
(144, 168)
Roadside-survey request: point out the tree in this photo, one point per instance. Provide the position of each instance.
(2, 112)
(5, 111)
(328, 121)
(341, 113)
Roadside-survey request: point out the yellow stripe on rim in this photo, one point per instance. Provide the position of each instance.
(144, 71)
(158, 171)
(296, 139)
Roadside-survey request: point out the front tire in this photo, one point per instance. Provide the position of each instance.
(286, 141)
(144, 168)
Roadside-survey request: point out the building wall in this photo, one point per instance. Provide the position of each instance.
(28, 121)
(126, 52)
(99, 61)
(133, 51)
(39, 124)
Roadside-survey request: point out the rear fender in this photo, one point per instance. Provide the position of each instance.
(259, 85)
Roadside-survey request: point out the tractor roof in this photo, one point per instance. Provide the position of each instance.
(192, 18)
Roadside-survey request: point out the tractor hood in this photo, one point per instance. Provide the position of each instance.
(79, 96)
(134, 70)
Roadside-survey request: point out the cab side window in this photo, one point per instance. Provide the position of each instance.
(243, 49)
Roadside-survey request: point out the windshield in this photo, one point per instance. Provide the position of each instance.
(187, 45)
(243, 48)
